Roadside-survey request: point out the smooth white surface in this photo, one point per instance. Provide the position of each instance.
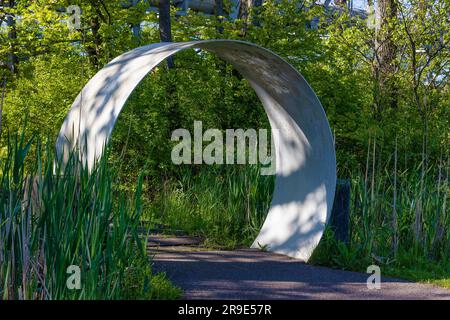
(305, 156)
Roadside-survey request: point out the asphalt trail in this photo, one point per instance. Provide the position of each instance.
(253, 274)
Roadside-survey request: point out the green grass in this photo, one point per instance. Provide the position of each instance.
(70, 219)
(142, 284)
(438, 277)
(224, 204)
(162, 289)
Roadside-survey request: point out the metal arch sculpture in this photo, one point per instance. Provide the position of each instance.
(305, 156)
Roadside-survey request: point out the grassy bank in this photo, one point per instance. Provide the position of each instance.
(224, 204)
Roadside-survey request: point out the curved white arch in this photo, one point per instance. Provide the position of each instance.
(305, 156)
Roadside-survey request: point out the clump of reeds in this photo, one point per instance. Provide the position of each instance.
(225, 204)
(399, 217)
(51, 218)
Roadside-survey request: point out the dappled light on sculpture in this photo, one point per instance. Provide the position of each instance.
(305, 156)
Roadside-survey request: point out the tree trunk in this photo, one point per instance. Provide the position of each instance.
(385, 67)
(257, 10)
(165, 31)
(219, 7)
(94, 49)
(219, 14)
(13, 59)
(244, 9)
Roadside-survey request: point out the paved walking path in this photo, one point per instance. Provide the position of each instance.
(253, 274)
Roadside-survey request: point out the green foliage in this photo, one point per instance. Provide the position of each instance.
(225, 204)
(42, 96)
(201, 88)
(52, 219)
(141, 284)
(338, 59)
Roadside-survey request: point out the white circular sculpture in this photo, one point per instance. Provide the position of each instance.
(305, 156)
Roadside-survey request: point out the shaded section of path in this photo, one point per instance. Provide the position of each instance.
(253, 274)
(164, 241)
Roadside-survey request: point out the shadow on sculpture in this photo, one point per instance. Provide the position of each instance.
(305, 156)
